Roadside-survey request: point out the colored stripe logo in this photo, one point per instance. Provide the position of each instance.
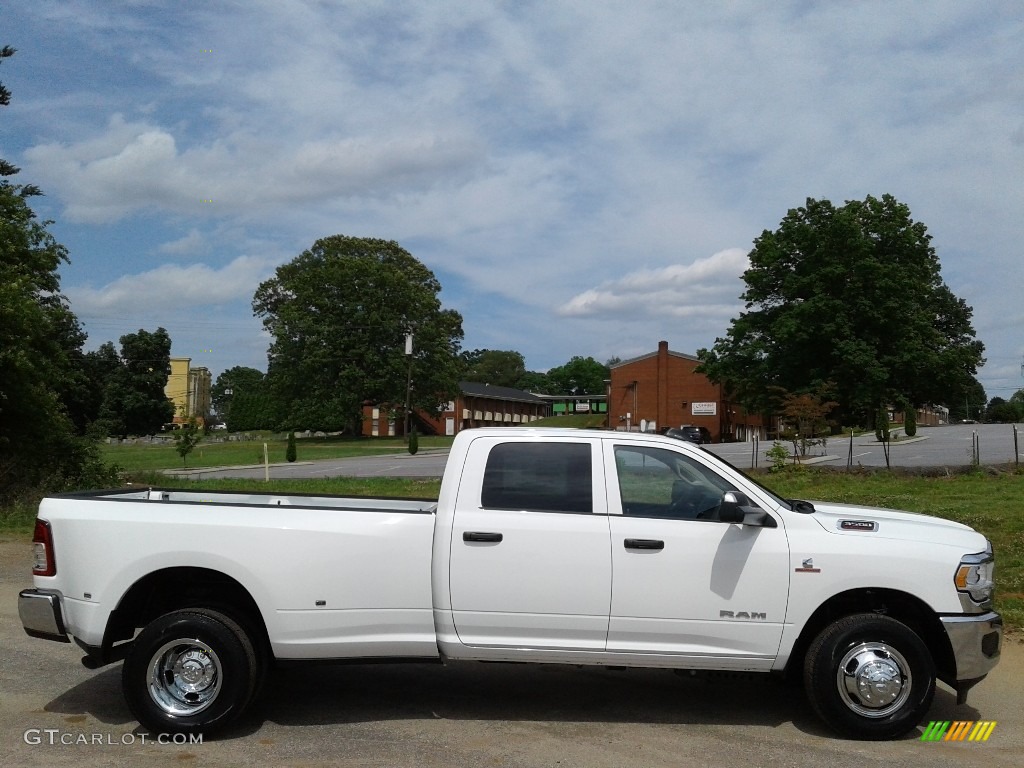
(958, 730)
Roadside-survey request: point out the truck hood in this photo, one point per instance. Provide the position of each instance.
(855, 520)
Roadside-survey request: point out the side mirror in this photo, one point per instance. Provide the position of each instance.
(737, 508)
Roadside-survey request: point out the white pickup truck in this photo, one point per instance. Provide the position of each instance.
(556, 546)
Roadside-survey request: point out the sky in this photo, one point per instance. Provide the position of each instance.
(583, 177)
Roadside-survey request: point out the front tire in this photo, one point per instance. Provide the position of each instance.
(189, 671)
(869, 677)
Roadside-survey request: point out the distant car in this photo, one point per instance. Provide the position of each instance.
(689, 433)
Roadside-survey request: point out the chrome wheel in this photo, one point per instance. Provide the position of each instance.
(874, 680)
(184, 677)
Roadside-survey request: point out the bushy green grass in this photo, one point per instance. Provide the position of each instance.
(135, 458)
(19, 517)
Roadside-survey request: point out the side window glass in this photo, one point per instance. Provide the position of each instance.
(552, 477)
(655, 482)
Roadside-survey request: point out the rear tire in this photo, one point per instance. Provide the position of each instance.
(190, 671)
(869, 677)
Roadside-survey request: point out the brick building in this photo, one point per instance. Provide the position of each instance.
(662, 389)
(477, 405)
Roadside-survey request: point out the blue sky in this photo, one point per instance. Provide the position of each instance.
(584, 178)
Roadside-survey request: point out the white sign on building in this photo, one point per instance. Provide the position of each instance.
(705, 409)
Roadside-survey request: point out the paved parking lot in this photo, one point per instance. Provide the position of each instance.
(949, 446)
(56, 712)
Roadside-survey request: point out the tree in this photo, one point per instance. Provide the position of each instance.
(910, 422)
(1005, 411)
(499, 368)
(186, 438)
(852, 295)
(967, 403)
(579, 376)
(134, 402)
(291, 453)
(534, 381)
(38, 337)
(238, 380)
(339, 314)
(807, 412)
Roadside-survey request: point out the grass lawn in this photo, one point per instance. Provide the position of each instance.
(144, 458)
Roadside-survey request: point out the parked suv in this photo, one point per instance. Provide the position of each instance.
(689, 433)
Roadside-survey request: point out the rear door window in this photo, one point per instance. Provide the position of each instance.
(550, 477)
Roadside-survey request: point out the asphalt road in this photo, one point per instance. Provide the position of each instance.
(55, 712)
(932, 447)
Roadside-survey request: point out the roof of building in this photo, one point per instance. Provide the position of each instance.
(649, 355)
(476, 389)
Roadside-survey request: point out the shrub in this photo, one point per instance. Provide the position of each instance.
(777, 454)
(414, 441)
(882, 425)
(291, 453)
(910, 422)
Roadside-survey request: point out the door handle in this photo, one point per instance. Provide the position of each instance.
(481, 536)
(644, 544)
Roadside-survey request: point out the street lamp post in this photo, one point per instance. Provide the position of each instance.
(408, 383)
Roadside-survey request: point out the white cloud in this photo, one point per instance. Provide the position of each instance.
(137, 166)
(172, 287)
(187, 245)
(707, 287)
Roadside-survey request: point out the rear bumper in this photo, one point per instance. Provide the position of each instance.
(41, 615)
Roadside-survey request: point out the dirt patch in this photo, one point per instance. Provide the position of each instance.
(16, 559)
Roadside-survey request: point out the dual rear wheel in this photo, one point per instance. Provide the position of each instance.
(190, 671)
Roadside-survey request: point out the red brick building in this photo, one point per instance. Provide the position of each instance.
(477, 405)
(662, 389)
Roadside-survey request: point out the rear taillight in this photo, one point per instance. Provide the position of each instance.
(42, 545)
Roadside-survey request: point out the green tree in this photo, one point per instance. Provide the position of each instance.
(186, 438)
(910, 422)
(1004, 411)
(291, 453)
(38, 338)
(499, 368)
(238, 380)
(7, 168)
(339, 314)
(579, 376)
(968, 402)
(852, 295)
(534, 381)
(134, 402)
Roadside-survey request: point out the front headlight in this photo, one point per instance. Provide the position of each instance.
(974, 576)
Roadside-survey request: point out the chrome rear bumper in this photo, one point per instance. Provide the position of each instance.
(41, 615)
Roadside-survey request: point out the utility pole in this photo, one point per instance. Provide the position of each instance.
(408, 383)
